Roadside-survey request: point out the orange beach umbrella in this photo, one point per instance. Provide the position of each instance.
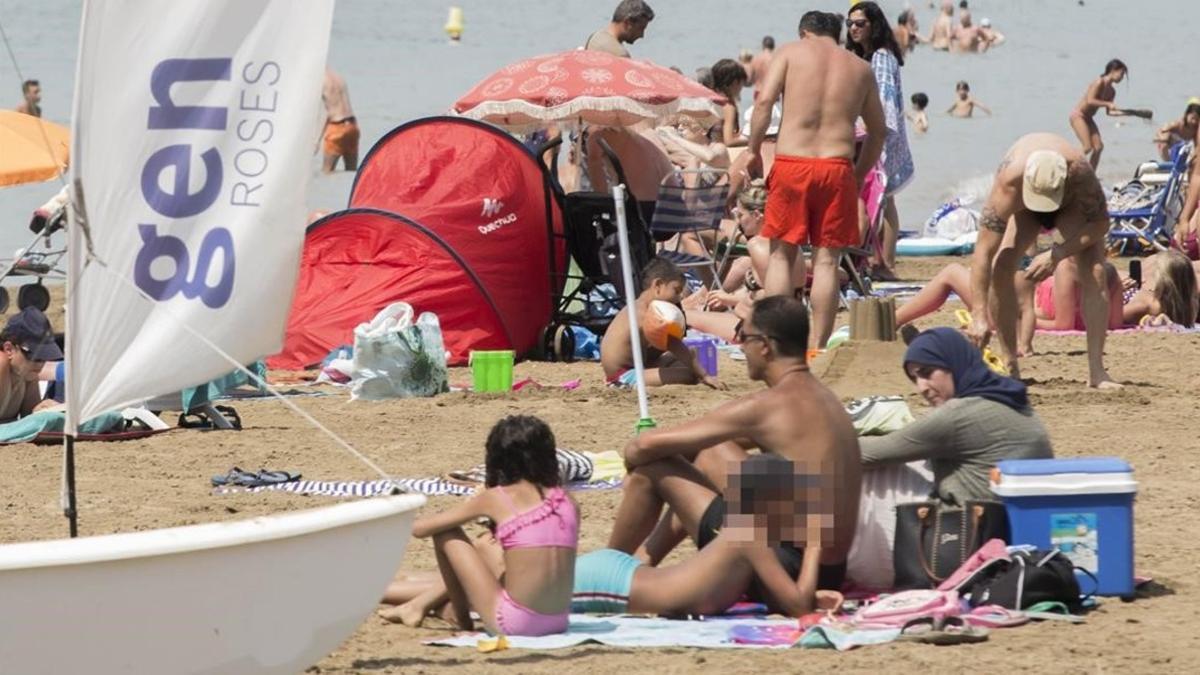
(31, 149)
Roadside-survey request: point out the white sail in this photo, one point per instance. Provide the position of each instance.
(192, 143)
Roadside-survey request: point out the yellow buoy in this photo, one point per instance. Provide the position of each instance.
(454, 24)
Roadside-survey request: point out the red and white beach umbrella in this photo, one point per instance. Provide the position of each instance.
(586, 86)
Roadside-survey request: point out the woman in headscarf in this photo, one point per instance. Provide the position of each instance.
(979, 418)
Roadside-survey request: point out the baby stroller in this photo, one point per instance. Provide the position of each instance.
(593, 289)
(1143, 209)
(41, 259)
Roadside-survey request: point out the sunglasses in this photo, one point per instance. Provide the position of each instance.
(856, 23)
(744, 337)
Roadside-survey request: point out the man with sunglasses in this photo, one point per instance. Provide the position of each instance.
(28, 343)
(686, 466)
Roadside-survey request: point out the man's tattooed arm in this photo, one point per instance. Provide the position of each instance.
(991, 220)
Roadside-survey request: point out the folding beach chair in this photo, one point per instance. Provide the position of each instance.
(1143, 210)
(690, 202)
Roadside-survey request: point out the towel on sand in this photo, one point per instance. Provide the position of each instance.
(631, 631)
(30, 427)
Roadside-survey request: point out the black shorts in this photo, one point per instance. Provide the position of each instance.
(829, 577)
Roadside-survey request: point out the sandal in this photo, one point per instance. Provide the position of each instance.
(952, 630)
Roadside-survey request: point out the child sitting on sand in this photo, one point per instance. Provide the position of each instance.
(917, 117)
(767, 502)
(964, 104)
(660, 321)
(537, 528)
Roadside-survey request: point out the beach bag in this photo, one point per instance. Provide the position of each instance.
(933, 539)
(899, 609)
(1023, 579)
(397, 358)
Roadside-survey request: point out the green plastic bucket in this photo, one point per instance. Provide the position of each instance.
(492, 370)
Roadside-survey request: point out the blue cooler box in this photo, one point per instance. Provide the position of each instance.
(1084, 507)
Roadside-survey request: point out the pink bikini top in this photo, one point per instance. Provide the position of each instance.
(554, 522)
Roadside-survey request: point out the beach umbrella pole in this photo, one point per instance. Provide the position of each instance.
(635, 341)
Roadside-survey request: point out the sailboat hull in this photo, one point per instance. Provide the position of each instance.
(268, 595)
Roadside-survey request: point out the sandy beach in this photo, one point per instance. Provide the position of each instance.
(163, 481)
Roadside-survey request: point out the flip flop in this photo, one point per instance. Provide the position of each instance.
(265, 477)
(995, 616)
(235, 477)
(950, 631)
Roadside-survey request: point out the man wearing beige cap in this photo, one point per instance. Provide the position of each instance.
(1043, 183)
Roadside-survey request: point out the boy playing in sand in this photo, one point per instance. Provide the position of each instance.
(964, 105)
(917, 117)
(666, 359)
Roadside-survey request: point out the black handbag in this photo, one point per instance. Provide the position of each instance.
(933, 539)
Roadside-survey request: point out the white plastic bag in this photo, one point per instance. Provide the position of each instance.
(395, 358)
(951, 221)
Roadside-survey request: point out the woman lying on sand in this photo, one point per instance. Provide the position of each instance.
(979, 418)
(538, 529)
(1171, 296)
(734, 562)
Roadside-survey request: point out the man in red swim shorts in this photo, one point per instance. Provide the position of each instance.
(812, 192)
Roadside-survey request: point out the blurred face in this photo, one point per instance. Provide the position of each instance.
(858, 27)
(1117, 75)
(1192, 119)
(20, 363)
(786, 509)
(963, 92)
(634, 30)
(34, 95)
(934, 384)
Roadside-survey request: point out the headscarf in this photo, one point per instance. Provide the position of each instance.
(947, 348)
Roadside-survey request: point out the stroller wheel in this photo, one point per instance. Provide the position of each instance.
(564, 344)
(4, 300)
(33, 295)
(545, 345)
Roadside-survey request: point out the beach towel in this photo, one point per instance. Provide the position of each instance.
(49, 425)
(432, 487)
(1168, 328)
(631, 631)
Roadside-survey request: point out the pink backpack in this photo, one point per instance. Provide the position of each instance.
(900, 609)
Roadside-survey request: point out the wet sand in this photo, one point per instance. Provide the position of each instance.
(163, 481)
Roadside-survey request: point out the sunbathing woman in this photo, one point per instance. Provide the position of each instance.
(1172, 296)
(1100, 94)
(736, 556)
(979, 418)
(538, 528)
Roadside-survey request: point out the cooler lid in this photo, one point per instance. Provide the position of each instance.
(1044, 467)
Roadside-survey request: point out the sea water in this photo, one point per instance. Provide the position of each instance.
(399, 65)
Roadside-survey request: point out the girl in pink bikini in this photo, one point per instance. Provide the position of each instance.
(537, 527)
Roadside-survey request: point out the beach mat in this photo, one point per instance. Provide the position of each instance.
(1169, 328)
(652, 632)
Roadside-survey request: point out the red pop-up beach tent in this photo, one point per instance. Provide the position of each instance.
(450, 215)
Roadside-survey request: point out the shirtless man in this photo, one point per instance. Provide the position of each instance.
(31, 90)
(628, 25)
(966, 37)
(26, 344)
(795, 417)
(943, 26)
(1044, 181)
(341, 128)
(760, 64)
(814, 184)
